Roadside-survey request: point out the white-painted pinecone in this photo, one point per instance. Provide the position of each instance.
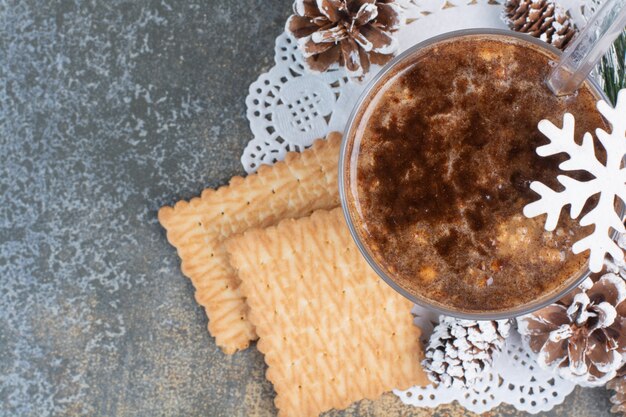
(459, 352)
(583, 336)
(350, 33)
(618, 399)
(542, 19)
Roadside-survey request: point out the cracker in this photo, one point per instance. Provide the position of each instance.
(304, 182)
(332, 332)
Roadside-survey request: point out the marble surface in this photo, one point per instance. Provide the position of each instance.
(109, 110)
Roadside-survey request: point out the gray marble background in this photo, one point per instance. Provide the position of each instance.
(109, 110)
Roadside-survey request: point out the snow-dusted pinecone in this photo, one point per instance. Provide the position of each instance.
(618, 399)
(459, 352)
(542, 19)
(351, 33)
(583, 336)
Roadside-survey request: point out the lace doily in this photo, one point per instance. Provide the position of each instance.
(288, 108)
(514, 379)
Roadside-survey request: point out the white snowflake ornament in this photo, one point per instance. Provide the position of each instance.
(609, 181)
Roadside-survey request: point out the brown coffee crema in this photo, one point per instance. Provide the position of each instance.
(441, 158)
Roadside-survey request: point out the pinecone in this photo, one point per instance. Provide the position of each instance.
(583, 335)
(618, 384)
(459, 352)
(542, 19)
(351, 33)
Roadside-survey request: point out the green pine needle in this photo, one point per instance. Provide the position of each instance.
(612, 68)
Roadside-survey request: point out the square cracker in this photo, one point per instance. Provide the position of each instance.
(304, 182)
(331, 330)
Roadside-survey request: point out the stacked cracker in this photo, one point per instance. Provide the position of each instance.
(271, 257)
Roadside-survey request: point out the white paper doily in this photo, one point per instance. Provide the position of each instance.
(515, 379)
(288, 108)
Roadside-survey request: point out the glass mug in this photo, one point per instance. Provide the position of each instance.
(370, 183)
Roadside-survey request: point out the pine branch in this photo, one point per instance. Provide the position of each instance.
(612, 68)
